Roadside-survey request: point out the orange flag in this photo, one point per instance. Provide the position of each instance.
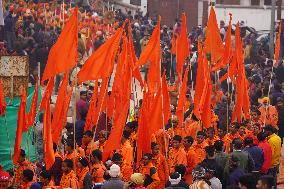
(182, 48)
(228, 48)
(200, 81)
(151, 48)
(166, 100)
(46, 97)
(48, 143)
(136, 72)
(100, 64)
(182, 98)
(63, 54)
(213, 44)
(92, 108)
(57, 124)
(33, 109)
(206, 106)
(277, 45)
(2, 100)
(21, 123)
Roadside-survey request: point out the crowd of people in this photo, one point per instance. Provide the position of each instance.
(244, 155)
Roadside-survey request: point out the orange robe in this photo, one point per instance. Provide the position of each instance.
(211, 141)
(127, 160)
(177, 156)
(133, 138)
(51, 185)
(90, 147)
(81, 173)
(97, 172)
(228, 139)
(159, 138)
(161, 164)
(73, 155)
(191, 157)
(269, 116)
(69, 180)
(191, 128)
(200, 151)
(18, 178)
(146, 171)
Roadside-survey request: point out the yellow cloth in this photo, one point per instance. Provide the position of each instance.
(275, 143)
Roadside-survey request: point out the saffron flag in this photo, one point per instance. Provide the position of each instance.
(33, 109)
(21, 124)
(92, 108)
(166, 100)
(63, 54)
(57, 124)
(213, 44)
(182, 48)
(277, 45)
(46, 96)
(2, 100)
(100, 64)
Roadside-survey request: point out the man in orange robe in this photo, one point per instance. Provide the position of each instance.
(70, 152)
(28, 177)
(211, 137)
(199, 146)
(45, 179)
(177, 155)
(160, 162)
(229, 137)
(191, 158)
(225, 139)
(192, 126)
(269, 114)
(149, 171)
(69, 179)
(88, 143)
(102, 138)
(126, 150)
(97, 167)
(176, 129)
(162, 139)
(21, 166)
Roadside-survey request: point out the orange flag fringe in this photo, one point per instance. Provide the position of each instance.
(2, 100)
(33, 109)
(100, 64)
(21, 124)
(213, 44)
(63, 54)
(182, 48)
(277, 45)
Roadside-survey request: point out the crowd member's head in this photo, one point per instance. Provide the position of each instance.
(96, 156)
(265, 182)
(247, 181)
(177, 141)
(233, 162)
(155, 148)
(82, 163)
(210, 132)
(136, 180)
(187, 142)
(234, 128)
(248, 142)
(242, 131)
(237, 144)
(175, 179)
(261, 136)
(67, 166)
(28, 175)
(45, 177)
(117, 159)
(147, 158)
(198, 173)
(22, 156)
(103, 136)
(83, 95)
(269, 130)
(255, 114)
(200, 137)
(210, 152)
(219, 146)
(5, 178)
(88, 136)
(221, 133)
(114, 171)
(265, 101)
(181, 169)
(174, 121)
(125, 136)
(279, 102)
(255, 128)
(69, 146)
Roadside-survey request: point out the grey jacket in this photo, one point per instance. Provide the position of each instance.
(113, 183)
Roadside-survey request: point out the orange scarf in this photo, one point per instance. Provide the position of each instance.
(81, 175)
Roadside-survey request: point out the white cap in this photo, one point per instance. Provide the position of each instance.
(114, 170)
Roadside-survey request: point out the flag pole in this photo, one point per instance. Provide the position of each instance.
(9, 141)
(74, 121)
